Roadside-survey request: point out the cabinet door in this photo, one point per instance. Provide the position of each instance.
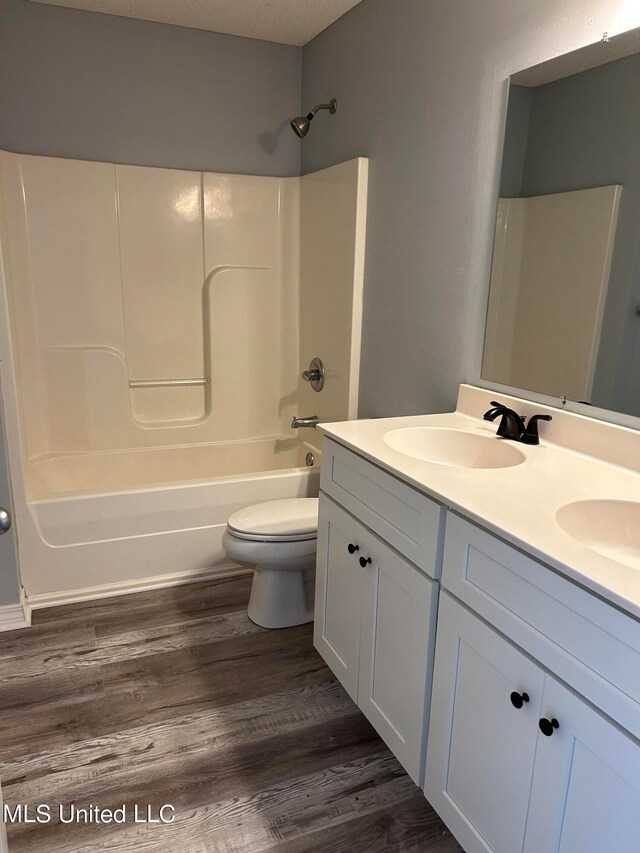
(586, 790)
(481, 748)
(336, 631)
(396, 650)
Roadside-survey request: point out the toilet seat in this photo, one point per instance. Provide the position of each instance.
(293, 520)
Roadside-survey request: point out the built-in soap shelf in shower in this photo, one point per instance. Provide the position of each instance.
(166, 403)
(170, 402)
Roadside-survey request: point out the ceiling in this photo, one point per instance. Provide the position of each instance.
(286, 21)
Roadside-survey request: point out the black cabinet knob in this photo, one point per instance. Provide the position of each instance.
(518, 699)
(547, 726)
(364, 562)
(352, 548)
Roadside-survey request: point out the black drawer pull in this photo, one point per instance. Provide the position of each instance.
(547, 727)
(364, 562)
(351, 548)
(518, 699)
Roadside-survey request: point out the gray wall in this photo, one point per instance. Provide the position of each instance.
(516, 134)
(99, 87)
(421, 91)
(584, 131)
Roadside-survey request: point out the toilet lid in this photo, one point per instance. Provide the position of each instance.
(277, 521)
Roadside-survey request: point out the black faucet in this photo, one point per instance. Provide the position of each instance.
(511, 425)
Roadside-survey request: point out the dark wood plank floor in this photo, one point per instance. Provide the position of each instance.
(174, 696)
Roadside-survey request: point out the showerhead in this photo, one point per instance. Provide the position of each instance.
(302, 124)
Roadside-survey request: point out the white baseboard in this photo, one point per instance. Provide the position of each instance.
(13, 616)
(108, 590)
(4, 844)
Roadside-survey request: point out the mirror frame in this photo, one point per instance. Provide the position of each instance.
(563, 65)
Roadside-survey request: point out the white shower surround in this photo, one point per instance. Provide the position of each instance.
(156, 513)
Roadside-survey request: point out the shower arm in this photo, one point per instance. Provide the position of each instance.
(332, 106)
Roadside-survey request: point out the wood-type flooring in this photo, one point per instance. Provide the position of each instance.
(175, 697)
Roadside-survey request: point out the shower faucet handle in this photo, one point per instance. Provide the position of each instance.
(311, 375)
(315, 374)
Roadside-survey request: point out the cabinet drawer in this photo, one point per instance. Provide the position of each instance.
(584, 640)
(408, 520)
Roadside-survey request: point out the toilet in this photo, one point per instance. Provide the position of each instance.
(277, 539)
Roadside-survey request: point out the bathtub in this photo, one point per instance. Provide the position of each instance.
(146, 518)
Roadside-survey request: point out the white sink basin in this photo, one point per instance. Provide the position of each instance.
(454, 447)
(609, 527)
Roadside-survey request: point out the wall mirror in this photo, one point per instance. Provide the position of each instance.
(563, 317)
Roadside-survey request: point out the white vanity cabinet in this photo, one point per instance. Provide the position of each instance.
(538, 620)
(375, 609)
(586, 786)
(518, 761)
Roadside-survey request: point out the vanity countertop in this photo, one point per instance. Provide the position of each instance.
(577, 459)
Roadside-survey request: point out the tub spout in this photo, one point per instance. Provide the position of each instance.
(304, 422)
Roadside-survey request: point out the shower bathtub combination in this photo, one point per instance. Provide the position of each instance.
(155, 326)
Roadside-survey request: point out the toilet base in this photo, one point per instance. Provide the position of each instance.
(280, 599)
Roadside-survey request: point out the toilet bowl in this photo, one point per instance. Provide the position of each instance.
(277, 540)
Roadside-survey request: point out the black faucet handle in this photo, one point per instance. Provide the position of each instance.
(530, 435)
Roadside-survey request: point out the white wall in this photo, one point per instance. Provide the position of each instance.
(421, 88)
